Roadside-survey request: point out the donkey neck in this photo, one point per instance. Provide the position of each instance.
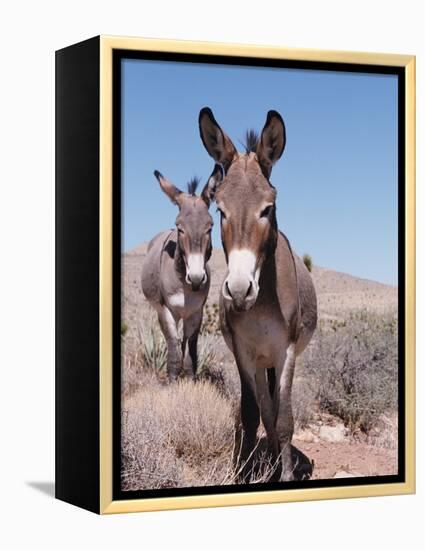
(172, 250)
(267, 281)
(279, 285)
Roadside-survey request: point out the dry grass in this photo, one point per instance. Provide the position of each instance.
(179, 435)
(170, 430)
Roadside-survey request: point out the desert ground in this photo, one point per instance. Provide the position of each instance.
(344, 394)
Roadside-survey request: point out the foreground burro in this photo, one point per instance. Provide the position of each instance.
(268, 305)
(176, 277)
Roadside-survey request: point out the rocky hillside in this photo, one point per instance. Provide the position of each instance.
(337, 292)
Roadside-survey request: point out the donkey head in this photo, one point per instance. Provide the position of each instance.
(246, 202)
(194, 225)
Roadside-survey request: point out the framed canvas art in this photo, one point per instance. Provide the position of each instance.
(234, 274)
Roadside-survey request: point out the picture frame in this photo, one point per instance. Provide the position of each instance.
(88, 272)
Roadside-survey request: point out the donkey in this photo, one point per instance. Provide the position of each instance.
(176, 277)
(268, 307)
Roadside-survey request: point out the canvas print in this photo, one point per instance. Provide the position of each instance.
(259, 270)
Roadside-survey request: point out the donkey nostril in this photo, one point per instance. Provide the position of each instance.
(228, 290)
(248, 292)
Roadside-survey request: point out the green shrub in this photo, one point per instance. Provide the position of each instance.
(308, 261)
(124, 328)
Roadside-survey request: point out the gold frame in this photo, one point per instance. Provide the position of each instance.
(107, 504)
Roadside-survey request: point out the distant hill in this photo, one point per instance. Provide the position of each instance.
(337, 292)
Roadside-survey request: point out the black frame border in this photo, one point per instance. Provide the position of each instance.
(118, 56)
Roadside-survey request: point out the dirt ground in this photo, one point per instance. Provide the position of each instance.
(331, 460)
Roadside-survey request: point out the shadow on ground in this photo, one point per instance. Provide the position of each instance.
(303, 466)
(46, 487)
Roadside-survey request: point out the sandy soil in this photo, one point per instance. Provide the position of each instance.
(333, 460)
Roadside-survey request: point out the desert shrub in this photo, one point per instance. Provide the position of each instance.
(304, 403)
(201, 419)
(130, 373)
(175, 432)
(308, 261)
(385, 432)
(147, 461)
(352, 368)
(124, 328)
(209, 366)
(206, 353)
(182, 435)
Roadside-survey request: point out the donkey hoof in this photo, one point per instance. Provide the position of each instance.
(287, 477)
(173, 377)
(287, 474)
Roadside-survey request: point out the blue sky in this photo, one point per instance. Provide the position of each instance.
(336, 180)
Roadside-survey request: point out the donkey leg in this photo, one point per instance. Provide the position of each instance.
(285, 419)
(250, 418)
(191, 328)
(268, 417)
(268, 412)
(169, 329)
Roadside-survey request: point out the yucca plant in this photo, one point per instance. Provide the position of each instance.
(154, 348)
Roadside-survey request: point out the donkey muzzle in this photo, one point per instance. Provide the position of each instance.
(196, 281)
(196, 275)
(240, 289)
(240, 293)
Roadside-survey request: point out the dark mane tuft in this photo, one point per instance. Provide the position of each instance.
(251, 141)
(192, 185)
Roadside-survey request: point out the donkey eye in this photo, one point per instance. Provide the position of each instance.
(180, 230)
(266, 212)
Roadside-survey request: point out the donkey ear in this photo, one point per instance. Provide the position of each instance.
(272, 142)
(208, 192)
(169, 189)
(216, 142)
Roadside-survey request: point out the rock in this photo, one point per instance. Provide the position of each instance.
(333, 434)
(307, 436)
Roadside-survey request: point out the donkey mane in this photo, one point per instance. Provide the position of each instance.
(251, 141)
(192, 185)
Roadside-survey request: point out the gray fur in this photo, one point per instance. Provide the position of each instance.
(174, 291)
